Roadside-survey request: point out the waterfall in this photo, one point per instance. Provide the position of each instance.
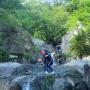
(26, 86)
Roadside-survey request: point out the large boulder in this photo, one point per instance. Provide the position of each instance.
(7, 68)
(32, 77)
(4, 83)
(14, 39)
(62, 84)
(87, 74)
(37, 42)
(68, 78)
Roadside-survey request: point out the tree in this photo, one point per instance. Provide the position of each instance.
(45, 21)
(79, 12)
(80, 44)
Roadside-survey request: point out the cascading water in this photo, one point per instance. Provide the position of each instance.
(26, 86)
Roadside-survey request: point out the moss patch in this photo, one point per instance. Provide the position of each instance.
(49, 80)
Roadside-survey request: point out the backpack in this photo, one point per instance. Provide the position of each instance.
(48, 59)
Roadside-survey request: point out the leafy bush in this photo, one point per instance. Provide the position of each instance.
(3, 56)
(68, 55)
(80, 44)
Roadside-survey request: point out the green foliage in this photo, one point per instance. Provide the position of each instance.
(49, 22)
(8, 10)
(68, 55)
(43, 21)
(40, 19)
(49, 80)
(80, 13)
(80, 44)
(32, 54)
(9, 4)
(3, 56)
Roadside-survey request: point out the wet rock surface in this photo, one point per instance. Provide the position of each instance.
(33, 77)
(87, 74)
(62, 84)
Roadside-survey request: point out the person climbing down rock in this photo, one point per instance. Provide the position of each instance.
(60, 55)
(48, 61)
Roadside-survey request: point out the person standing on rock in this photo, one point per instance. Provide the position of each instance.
(53, 56)
(48, 61)
(61, 59)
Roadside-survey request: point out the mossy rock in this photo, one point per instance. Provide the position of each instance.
(49, 80)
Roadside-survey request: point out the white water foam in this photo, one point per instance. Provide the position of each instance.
(26, 86)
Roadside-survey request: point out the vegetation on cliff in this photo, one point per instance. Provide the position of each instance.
(45, 20)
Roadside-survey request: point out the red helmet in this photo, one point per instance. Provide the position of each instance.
(42, 52)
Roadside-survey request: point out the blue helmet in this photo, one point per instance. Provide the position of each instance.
(46, 52)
